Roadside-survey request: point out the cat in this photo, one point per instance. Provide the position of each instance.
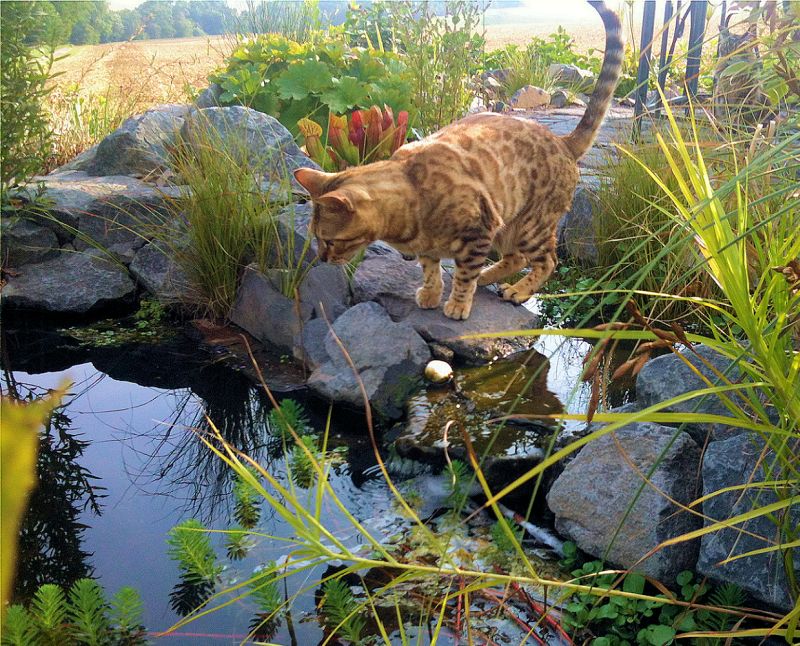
(486, 181)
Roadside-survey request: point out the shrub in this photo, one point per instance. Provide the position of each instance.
(442, 53)
(292, 81)
(25, 68)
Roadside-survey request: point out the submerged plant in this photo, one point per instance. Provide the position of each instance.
(341, 611)
(83, 617)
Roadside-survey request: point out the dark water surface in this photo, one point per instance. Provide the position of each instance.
(125, 465)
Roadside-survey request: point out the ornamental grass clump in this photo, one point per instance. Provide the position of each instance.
(362, 137)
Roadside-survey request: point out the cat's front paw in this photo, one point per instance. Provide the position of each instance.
(457, 310)
(428, 299)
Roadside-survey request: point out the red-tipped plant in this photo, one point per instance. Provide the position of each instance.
(364, 136)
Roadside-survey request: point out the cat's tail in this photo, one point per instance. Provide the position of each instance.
(580, 140)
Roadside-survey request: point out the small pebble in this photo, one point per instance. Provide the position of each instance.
(438, 372)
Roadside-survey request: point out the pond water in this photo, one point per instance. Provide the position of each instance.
(125, 465)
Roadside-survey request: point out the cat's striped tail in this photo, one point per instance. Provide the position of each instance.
(580, 140)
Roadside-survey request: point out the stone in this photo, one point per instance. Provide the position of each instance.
(23, 242)
(559, 99)
(209, 97)
(595, 499)
(474, 401)
(110, 212)
(140, 146)
(669, 376)
(326, 290)
(264, 312)
(296, 246)
(309, 347)
(392, 282)
(71, 283)
(157, 271)
(579, 80)
(728, 463)
(500, 106)
(389, 358)
(575, 230)
(529, 97)
(249, 136)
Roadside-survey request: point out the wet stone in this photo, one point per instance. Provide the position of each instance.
(475, 401)
(392, 282)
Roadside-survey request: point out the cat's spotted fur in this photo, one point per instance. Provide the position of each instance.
(486, 181)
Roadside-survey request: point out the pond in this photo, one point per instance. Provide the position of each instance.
(125, 464)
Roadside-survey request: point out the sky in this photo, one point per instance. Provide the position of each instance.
(569, 10)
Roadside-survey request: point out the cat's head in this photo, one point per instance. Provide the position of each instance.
(344, 219)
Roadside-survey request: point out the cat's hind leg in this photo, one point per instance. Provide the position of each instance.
(430, 294)
(508, 265)
(542, 260)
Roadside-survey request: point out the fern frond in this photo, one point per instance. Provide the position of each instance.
(19, 628)
(126, 615)
(190, 546)
(502, 540)
(301, 468)
(86, 610)
(340, 609)
(237, 544)
(265, 591)
(288, 415)
(246, 510)
(49, 611)
(456, 475)
(727, 595)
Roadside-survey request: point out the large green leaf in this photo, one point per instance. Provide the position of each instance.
(303, 79)
(345, 94)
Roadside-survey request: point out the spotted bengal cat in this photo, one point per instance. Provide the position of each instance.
(485, 181)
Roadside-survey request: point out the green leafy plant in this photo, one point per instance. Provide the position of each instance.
(82, 617)
(370, 26)
(441, 54)
(323, 76)
(25, 61)
(224, 219)
(341, 611)
(362, 137)
(246, 500)
(288, 417)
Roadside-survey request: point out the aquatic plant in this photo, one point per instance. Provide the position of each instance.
(341, 611)
(83, 617)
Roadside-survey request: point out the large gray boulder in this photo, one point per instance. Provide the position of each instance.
(116, 213)
(389, 358)
(140, 146)
(575, 230)
(155, 268)
(670, 375)
(602, 502)
(728, 463)
(248, 136)
(23, 242)
(262, 310)
(326, 290)
(392, 282)
(72, 283)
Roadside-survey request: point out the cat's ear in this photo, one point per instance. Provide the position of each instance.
(344, 199)
(314, 181)
(338, 200)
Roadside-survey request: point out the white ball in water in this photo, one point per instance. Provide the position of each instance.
(438, 372)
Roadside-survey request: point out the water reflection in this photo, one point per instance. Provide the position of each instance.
(52, 533)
